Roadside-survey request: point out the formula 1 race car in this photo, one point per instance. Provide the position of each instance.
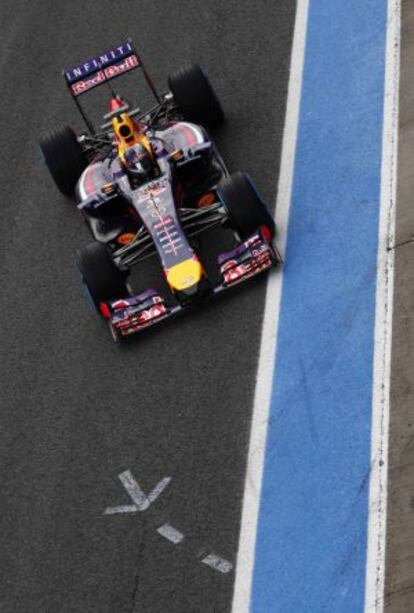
(147, 184)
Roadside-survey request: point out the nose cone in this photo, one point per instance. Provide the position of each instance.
(188, 281)
(185, 276)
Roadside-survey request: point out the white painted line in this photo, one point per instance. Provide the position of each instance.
(220, 564)
(130, 508)
(142, 502)
(375, 569)
(170, 533)
(134, 490)
(158, 489)
(258, 433)
(139, 498)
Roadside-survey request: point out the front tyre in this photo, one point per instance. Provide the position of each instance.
(244, 206)
(64, 158)
(103, 279)
(195, 96)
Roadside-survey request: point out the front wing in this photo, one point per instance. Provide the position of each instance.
(134, 313)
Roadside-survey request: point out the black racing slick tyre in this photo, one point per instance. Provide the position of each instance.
(102, 278)
(245, 208)
(195, 96)
(64, 158)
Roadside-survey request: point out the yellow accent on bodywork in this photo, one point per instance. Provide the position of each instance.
(184, 275)
(135, 136)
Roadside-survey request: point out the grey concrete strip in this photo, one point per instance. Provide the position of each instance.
(399, 581)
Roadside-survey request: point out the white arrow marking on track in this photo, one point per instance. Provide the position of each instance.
(141, 501)
(160, 487)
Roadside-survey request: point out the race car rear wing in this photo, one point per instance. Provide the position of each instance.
(102, 69)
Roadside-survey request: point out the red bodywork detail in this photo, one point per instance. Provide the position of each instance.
(133, 322)
(267, 235)
(189, 135)
(131, 314)
(118, 305)
(89, 182)
(234, 272)
(116, 103)
(105, 310)
(248, 259)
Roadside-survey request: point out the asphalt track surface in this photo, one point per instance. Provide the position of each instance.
(77, 410)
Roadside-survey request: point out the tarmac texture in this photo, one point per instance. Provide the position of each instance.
(77, 410)
(160, 425)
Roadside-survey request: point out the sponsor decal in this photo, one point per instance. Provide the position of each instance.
(120, 304)
(152, 190)
(132, 320)
(147, 298)
(154, 187)
(101, 62)
(83, 86)
(120, 67)
(235, 270)
(251, 241)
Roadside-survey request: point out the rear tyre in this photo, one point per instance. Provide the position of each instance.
(245, 208)
(64, 158)
(101, 276)
(195, 96)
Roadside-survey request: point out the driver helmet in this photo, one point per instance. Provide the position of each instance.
(138, 162)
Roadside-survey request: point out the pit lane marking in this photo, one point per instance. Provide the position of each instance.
(130, 508)
(142, 502)
(212, 560)
(217, 563)
(171, 534)
(267, 358)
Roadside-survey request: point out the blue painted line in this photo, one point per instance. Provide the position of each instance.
(312, 532)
